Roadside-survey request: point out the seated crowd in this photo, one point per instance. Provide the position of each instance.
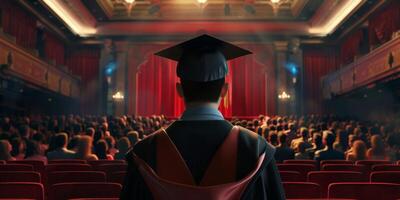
(327, 138)
(94, 138)
(73, 137)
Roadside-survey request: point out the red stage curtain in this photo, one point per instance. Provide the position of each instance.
(156, 93)
(54, 48)
(85, 63)
(350, 47)
(316, 63)
(18, 23)
(384, 23)
(156, 88)
(248, 86)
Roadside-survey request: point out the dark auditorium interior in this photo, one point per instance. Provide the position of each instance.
(120, 99)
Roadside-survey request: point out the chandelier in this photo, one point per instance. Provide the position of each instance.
(284, 96)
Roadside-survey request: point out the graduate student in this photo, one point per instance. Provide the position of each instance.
(201, 156)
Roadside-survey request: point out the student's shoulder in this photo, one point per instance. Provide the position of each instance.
(253, 140)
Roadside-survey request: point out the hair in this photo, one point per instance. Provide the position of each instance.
(273, 138)
(32, 148)
(202, 91)
(73, 143)
(377, 145)
(360, 150)
(90, 131)
(301, 147)
(110, 141)
(101, 148)
(123, 145)
(60, 140)
(304, 132)
(18, 146)
(5, 149)
(329, 138)
(84, 146)
(317, 139)
(282, 137)
(133, 137)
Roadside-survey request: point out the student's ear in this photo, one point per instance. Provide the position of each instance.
(224, 90)
(179, 89)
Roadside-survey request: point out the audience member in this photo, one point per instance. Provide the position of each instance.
(283, 151)
(377, 150)
(359, 151)
(101, 149)
(84, 149)
(328, 153)
(60, 148)
(302, 154)
(5, 150)
(33, 152)
(123, 146)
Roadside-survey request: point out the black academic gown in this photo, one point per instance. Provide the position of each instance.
(197, 141)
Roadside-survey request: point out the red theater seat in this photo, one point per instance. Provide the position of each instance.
(15, 167)
(67, 161)
(96, 163)
(20, 176)
(344, 167)
(75, 176)
(303, 169)
(68, 167)
(116, 177)
(365, 191)
(290, 176)
(386, 167)
(37, 165)
(299, 190)
(110, 168)
(398, 162)
(328, 162)
(370, 163)
(96, 199)
(324, 178)
(21, 191)
(386, 177)
(2, 162)
(65, 191)
(311, 162)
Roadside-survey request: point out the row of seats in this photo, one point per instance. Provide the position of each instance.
(347, 190)
(325, 178)
(61, 191)
(325, 162)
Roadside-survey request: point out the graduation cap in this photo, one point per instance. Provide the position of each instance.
(203, 59)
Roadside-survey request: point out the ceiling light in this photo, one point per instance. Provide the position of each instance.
(284, 96)
(118, 96)
(74, 23)
(275, 1)
(202, 1)
(336, 19)
(129, 1)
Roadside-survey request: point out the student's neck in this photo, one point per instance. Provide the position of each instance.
(202, 104)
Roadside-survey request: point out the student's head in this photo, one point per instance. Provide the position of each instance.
(202, 92)
(282, 137)
(60, 140)
(317, 139)
(360, 150)
(84, 147)
(377, 145)
(90, 132)
(302, 147)
(5, 149)
(123, 145)
(329, 138)
(18, 146)
(101, 148)
(32, 148)
(133, 137)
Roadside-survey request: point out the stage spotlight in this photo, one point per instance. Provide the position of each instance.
(292, 67)
(202, 1)
(227, 9)
(110, 68)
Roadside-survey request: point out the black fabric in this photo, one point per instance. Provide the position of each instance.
(197, 141)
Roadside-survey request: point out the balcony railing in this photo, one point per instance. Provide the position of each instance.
(32, 69)
(380, 63)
